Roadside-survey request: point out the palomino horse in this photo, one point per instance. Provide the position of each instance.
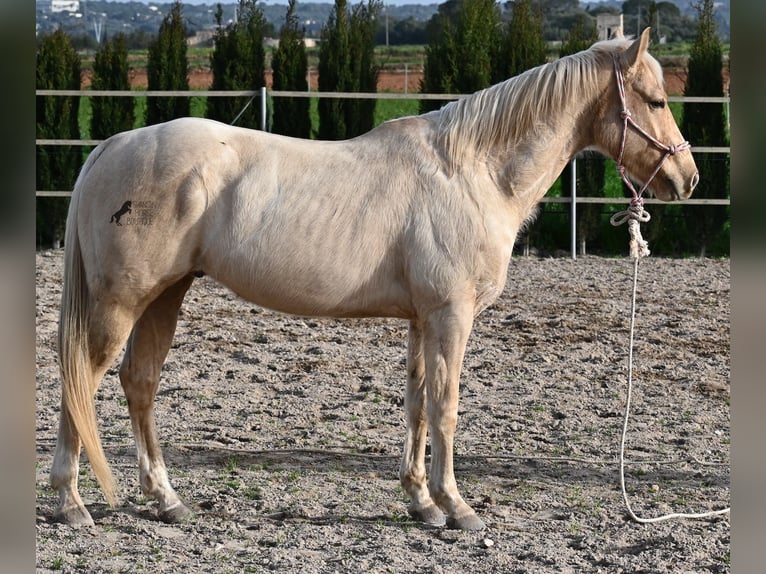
(415, 219)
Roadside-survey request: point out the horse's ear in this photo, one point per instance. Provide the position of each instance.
(637, 49)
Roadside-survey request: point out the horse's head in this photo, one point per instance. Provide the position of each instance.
(638, 129)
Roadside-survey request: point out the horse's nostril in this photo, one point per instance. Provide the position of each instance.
(695, 180)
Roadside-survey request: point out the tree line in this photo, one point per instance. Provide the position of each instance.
(399, 24)
(471, 45)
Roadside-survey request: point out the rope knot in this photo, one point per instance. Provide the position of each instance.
(637, 211)
(672, 150)
(635, 215)
(625, 114)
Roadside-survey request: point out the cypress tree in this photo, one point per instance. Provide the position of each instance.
(463, 48)
(289, 66)
(111, 115)
(334, 72)
(58, 68)
(168, 68)
(704, 124)
(523, 46)
(441, 67)
(360, 114)
(478, 43)
(238, 63)
(346, 65)
(590, 168)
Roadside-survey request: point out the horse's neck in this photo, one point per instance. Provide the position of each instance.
(530, 165)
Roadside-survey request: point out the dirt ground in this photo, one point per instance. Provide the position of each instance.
(284, 433)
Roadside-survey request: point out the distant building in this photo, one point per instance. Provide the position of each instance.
(274, 42)
(65, 5)
(201, 38)
(609, 26)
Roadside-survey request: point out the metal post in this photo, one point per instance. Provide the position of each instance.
(406, 78)
(573, 208)
(385, 8)
(263, 108)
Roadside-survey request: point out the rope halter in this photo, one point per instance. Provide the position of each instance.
(635, 214)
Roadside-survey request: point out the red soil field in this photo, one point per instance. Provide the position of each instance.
(388, 81)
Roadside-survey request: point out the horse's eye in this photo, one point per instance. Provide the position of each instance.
(657, 104)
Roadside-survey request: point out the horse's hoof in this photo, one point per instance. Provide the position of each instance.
(74, 516)
(175, 514)
(429, 515)
(467, 522)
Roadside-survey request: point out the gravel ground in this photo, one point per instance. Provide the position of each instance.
(284, 433)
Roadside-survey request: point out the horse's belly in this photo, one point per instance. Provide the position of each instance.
(304, 288)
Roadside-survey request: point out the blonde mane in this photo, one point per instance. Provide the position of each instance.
(517, 107)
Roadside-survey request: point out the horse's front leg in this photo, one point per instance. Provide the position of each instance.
(412, 471)
(445, 338)
(147, 348)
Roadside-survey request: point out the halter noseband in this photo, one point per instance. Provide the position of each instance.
(668, 150)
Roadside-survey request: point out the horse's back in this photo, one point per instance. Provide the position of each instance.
(298, 225)
(362, 227)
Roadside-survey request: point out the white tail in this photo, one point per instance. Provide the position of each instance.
(77, 379)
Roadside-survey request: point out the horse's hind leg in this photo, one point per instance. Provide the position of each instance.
(71, 509)
(147, 349)
(412, 471)
(109, 327)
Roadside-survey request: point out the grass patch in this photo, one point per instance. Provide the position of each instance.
(231, 464)
(391, 109)
(384, 110)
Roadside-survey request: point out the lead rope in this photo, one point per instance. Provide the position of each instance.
(639, 248)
